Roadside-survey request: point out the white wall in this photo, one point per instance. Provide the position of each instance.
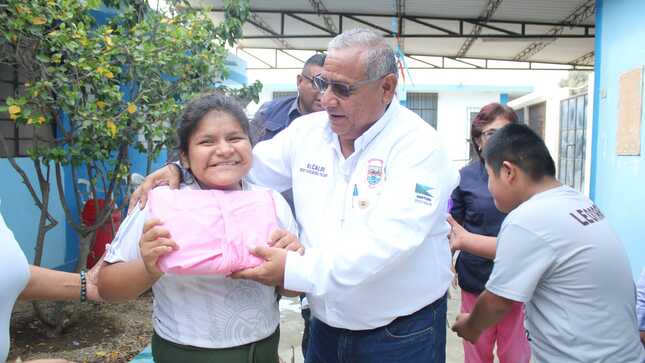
(589, 132)
(459, 92)
(504, 81)
(552, 96)
(453, 122)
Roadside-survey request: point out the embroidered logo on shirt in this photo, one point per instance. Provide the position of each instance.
(374, 172)
(423, 194)
(314, 169)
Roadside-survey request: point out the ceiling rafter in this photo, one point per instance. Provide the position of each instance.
(491, 8)
(245, 51)
(577, 17)
(319, 7)
(497, 26)
(585, 59)
(425, 63)
(259, 23)
(323, 28)
(308, 28)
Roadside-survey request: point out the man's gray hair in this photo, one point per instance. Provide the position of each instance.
(380, 56)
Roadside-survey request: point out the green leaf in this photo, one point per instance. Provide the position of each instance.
(42, 57)
(93, 4)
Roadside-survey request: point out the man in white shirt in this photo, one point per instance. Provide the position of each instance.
(371, 183)
(557, 253)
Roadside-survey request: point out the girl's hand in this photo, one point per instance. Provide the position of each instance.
(464, 330)
(155, 242)
(168, 175)
(457, 236)
(281, 238)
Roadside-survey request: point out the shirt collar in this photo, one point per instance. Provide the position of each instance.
(362, 141)
(194, 185)
(294, 110)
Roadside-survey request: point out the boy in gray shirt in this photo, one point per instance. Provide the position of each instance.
(556, 253)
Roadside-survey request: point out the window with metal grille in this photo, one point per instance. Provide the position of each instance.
(537, 117)
(520, 115)
(573, 127)
(281, 94)
(424, 105)
(19, 138)
(472, 154)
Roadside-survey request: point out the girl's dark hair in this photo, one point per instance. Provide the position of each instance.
(487, 115)
(196, 109)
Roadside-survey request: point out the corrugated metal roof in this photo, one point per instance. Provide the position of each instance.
(526, 30)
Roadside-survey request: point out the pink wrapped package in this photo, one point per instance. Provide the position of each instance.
(213, 228)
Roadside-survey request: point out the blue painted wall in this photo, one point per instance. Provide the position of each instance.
(426, 88)
(21, 214)
(617, 182)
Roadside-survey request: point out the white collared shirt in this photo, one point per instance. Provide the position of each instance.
(206, 311)
(374, 224)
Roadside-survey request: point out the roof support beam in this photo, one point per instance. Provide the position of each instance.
(488, 26)
(584, 60)
(438, 62)
(482, 28)
(326, 30)
(416, 20)
(292, 56)
(579, 15)
(269, 66)
(259, 23)
(389, 15)
(491, 7)
(448, 27)
(391, 34)
(464, 62)
(329, 23)
(364, 22)
(422, 61)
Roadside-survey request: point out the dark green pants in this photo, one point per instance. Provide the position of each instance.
(263, 351)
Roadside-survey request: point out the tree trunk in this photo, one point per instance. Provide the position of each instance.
(149, 157)
(43, 226)
(85, 244)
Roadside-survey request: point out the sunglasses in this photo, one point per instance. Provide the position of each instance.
(310, 79)
(342, 90)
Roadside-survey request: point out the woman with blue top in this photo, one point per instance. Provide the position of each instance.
(474, 209)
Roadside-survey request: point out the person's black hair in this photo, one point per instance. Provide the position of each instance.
(317, 59)
(521, 146)
(195, 110)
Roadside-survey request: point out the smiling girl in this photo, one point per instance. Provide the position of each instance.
(208, 318)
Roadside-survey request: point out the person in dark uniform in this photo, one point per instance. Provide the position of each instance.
(476, 222)
(274, 116)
